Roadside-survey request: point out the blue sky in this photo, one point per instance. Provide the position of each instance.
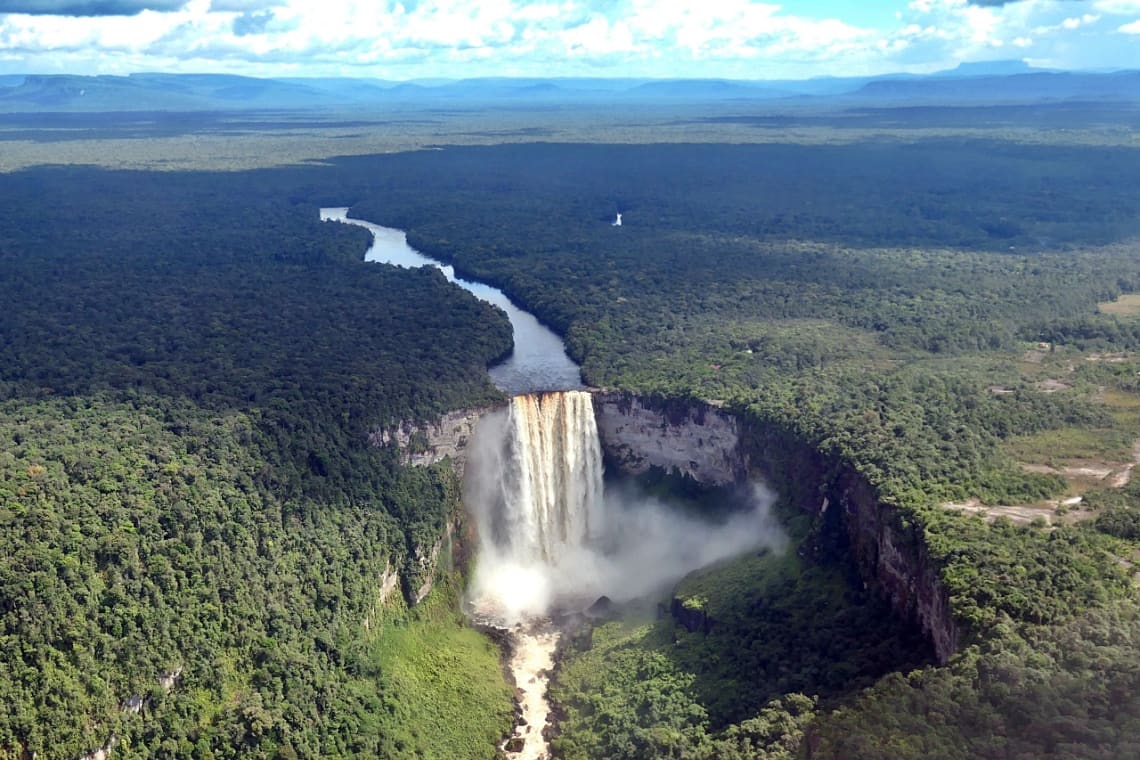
(461, 38)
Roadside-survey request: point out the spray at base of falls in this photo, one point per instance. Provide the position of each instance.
(551, 542)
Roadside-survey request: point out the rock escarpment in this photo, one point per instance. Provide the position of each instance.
(694, 440)
(423, 444)
(715, 447)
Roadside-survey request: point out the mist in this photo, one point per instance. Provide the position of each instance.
(624, 545)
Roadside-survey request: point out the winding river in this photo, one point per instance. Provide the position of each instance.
(537, 363)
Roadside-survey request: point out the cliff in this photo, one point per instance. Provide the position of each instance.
(895, 561)
(427, 443)
(422, 445)
(682, 438)
(715, 447)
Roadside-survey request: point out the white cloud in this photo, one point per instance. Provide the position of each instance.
(644, 37)
(1133, 28)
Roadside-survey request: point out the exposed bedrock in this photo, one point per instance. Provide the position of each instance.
(431, 442)
(685, 438)
(715, 447)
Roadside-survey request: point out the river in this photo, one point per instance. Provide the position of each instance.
(537, 363)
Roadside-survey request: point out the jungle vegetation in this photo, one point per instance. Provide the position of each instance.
(187, 490)
(926, 313)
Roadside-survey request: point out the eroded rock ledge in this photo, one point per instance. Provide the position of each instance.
(428, 443)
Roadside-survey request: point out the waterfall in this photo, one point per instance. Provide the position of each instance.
(552, 482)
(536, 490)
(549, 546)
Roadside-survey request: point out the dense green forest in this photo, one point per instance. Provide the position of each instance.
(186, 486)
(192, 363)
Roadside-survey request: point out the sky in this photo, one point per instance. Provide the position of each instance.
(415, 39)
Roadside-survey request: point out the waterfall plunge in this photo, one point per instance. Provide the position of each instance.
(547, 539)
(552, 478)
(535, 486)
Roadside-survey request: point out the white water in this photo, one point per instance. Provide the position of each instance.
(530, 664)
(537, 491)
(534, 486)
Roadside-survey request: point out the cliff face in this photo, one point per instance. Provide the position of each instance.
(716, 448)
(422, 445)
(433, 442)
(896, 562)
(694, 440)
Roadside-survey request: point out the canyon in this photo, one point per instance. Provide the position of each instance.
(713, 446)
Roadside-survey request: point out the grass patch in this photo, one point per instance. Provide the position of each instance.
(453, 701)
(1119, 400)
(1056, 447)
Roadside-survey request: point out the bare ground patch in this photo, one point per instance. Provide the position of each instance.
(1128, 305)
(1052, 385)
(1054, 511)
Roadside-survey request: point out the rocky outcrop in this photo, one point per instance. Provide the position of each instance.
(427, 443)
(134, 704)
(426, 561)
(684, 438)
(692, 614)
(389, 582)
(104, 752)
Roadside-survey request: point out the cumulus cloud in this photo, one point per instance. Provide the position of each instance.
(715, 38)
(1133, 28)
